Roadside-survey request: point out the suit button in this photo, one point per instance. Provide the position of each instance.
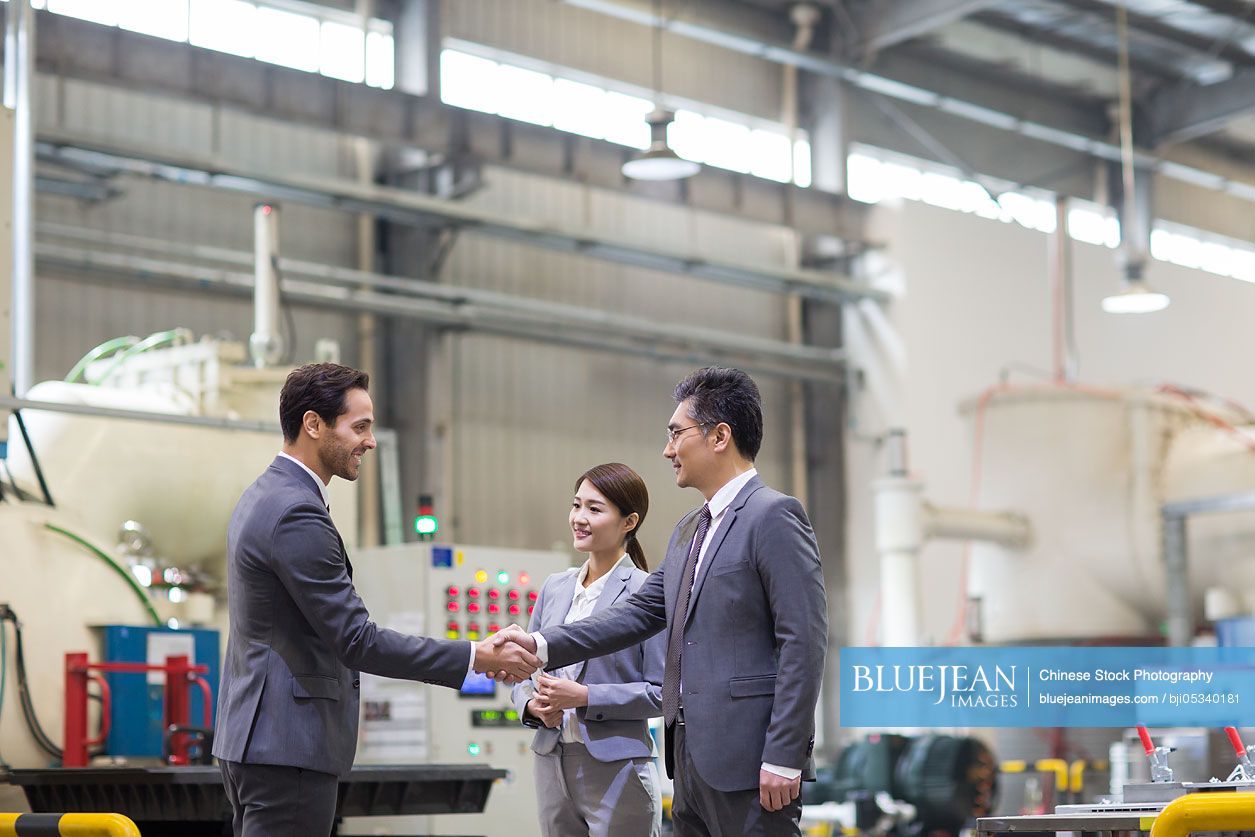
(600, 716)
(357, 684)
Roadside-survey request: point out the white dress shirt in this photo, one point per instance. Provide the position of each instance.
(718, 507)
(582, 604)
(322, 489)
(322, 486)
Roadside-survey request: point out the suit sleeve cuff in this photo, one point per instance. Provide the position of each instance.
(542, 649)
(470, 667)
(785, 772)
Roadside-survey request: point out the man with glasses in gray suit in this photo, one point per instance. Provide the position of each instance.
(741, 595)
(288, 702)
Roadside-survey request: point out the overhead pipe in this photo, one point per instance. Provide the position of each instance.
(266, 345)
(804, 17)
(19, 74)
(1065, 356)
(408, 207)
(1174, 515)
(461, 307)
(904, 522)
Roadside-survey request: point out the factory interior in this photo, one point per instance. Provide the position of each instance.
(989, 262)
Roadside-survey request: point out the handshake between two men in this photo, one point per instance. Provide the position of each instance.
(508, 656)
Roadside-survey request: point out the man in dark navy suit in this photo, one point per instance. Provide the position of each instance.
(288, 705)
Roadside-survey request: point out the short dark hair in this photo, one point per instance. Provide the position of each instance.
(719, 394)
(321, 387)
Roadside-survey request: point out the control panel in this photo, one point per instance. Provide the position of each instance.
(451, 592)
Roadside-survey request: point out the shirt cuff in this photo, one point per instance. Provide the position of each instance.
(785, 772)
(542, 649)
(470, 667)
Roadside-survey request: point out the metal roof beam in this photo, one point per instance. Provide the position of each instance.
(408, 207)
(1166, 32)
(1187, 111)
(890, 22)
(924, 96)
(1066, 42)
(443, 306)
(77, 49)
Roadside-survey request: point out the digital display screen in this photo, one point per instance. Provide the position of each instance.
(494, 718)
(478, 685)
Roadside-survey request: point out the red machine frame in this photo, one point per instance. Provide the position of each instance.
(180, 676)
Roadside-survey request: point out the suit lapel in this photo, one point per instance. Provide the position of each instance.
(686, 529)
(563, 592)
(293, 471)
(712, 551)
(348, 565)
(616, 584)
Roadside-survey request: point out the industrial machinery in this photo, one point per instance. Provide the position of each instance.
(458, 592)
(115, 508)
(887, 783)
(1137, 805)
(137, 533)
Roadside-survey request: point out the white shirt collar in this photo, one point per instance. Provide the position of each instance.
(322, 487)
(725, 495)
(593, 590)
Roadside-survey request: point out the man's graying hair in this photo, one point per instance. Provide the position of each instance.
(719, 394)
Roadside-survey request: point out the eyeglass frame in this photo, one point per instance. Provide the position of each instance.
(672, 434)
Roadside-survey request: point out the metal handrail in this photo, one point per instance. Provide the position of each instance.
(67, 825)
(1206, 812)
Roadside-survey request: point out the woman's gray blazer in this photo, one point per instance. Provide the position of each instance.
(624, 688)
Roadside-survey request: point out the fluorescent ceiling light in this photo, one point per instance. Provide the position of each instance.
(1136, 298)
(659, 162)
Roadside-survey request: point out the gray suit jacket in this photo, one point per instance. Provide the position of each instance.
(755, 636)
(299, 634)
(624, 688)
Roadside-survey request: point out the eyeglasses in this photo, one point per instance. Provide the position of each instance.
(671, 434)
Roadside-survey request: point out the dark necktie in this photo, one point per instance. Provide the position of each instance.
(675, 643)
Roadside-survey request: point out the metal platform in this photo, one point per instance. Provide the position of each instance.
(1084, 823)
(190, 801)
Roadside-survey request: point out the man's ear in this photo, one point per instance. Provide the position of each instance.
(312, 423)
(721, 436)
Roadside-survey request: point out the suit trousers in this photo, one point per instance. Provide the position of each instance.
(698, 810)
(579, 796)
(270, 800)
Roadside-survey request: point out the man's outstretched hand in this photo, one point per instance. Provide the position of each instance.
(505, 660)
(513, 637)
(516, 635)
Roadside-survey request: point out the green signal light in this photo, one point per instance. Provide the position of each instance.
(426, 525)
(503, 577)
(472, 749)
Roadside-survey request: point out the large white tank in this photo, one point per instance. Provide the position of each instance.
(180, 481)
(1092, 469)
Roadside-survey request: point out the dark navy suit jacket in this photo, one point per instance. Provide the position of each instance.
(300, 634)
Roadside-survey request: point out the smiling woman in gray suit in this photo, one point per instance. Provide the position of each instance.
(595, 772)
